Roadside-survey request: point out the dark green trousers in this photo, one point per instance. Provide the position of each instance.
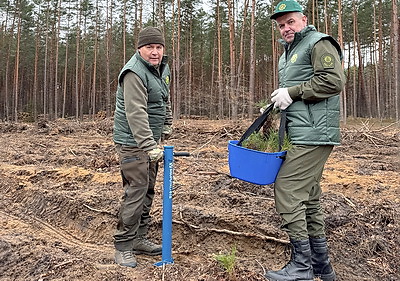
(138, 177)
(297, 191)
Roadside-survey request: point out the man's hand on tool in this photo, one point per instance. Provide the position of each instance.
(166, 133)
(155, 154)
(281, 98)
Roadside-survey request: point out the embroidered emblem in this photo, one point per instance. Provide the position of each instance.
(328, 61)
(282, 7)
(293, 59)
(167, 80)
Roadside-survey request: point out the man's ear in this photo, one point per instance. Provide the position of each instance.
(305, 19)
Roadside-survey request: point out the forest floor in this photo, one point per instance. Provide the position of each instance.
(60, 191)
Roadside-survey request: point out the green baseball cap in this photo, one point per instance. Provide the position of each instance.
(286, 6)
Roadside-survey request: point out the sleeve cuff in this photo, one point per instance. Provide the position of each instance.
(148, 148)
(294, 92)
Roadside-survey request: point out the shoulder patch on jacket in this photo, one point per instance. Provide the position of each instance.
(328, 61)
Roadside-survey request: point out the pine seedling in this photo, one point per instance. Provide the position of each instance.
(268, 142)
(256, 141)
(228, 261)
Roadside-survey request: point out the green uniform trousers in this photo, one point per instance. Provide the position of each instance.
(138, 177)
(297, 191)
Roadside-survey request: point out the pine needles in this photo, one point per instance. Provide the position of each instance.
(268, 142)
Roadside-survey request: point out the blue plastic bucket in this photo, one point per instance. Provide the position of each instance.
(254, 166)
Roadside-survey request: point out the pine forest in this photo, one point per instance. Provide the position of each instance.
(216, 214)
(61, 59)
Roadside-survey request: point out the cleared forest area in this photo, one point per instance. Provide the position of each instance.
(60, 188)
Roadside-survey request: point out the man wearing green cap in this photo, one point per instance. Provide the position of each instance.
(142, 117)
(310, 80)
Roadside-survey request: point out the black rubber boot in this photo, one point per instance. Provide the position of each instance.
(298, 268)
(320, 260)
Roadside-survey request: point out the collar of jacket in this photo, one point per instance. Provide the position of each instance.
(154, 69)
(298, 36)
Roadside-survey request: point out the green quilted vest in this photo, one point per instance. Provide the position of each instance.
(308, 123)
(158, 91)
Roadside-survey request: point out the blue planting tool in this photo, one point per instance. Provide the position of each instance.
(167, 204)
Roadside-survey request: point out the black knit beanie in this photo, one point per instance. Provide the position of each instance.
(150, 35)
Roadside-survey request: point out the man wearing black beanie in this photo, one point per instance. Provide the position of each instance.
(142, 117)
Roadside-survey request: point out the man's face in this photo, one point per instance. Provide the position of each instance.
(153, 53)
(289, 24)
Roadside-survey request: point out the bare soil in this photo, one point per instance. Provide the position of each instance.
(60, 190)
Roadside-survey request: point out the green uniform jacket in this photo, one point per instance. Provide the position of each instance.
(311, 70)
(156, 84)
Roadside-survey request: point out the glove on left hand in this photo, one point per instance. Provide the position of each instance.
(281, 98)
(167, 132)
(155, 154)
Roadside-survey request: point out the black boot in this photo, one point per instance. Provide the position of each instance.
(320, 260)
(298, 268)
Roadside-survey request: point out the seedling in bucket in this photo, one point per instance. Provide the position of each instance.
(266, 142)
(256, 166)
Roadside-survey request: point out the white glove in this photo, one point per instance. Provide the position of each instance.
(155, 154)
(281, 98)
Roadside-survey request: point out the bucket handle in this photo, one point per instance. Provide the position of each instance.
(257, 124)
(282, 129)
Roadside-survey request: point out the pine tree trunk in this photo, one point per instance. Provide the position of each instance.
(232, 54)
(161, 14)
(343, 100)
(241, 57)
(36, 70)
(77, 54)
(220, 82)
(173, 32)
(65, 83)
(16, 68)
(57, 36)
(364, 101)
(376, 63)
(108, 51)
(381, 66)
(395, 44)
(252, 59)
(45, 82)
(354, 100)
(213, 97)
(8, 113)
(94, 76)
(326, 17)
(178, 95)
(313, 12)
(123, 37)
(82, 79)
(275, 58)
(190, 68)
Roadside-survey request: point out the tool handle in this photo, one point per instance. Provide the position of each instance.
(181, 154)
(257, 124)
